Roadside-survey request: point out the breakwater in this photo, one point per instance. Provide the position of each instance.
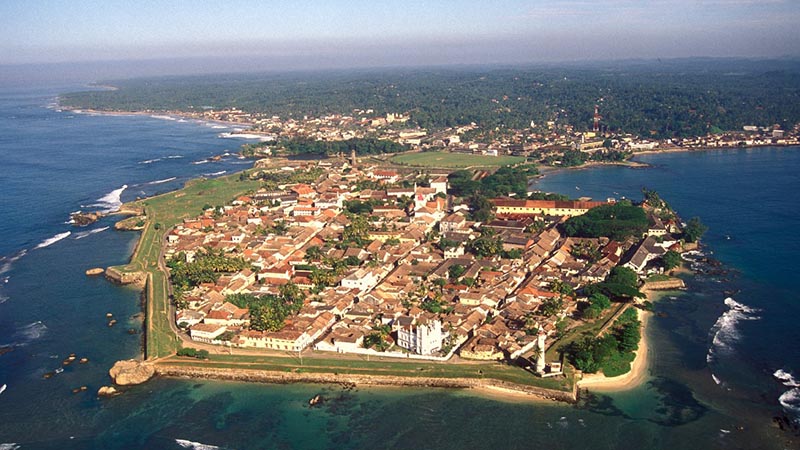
(266, 376)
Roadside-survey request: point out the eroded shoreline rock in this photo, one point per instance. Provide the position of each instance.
(131, 372)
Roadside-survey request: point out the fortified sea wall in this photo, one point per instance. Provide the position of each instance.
(262, 376)
(666, 285)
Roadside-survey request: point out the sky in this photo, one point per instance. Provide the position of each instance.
(342, 33)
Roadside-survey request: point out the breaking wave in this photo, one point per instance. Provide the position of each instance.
(151, 161)
(195, 445)
(786, 378)
(170, 118)
(50, 241)
(165, 180)
(9, 446)
(202, 161)
(31, 332)
(6, 262)
(725, 331)
(83, 234)
(111, 201)
(214, 174)
(790, 400)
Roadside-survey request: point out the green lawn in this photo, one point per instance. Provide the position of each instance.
(167, 210)
(454, 160)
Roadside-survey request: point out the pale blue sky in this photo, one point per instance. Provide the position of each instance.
(378, 32)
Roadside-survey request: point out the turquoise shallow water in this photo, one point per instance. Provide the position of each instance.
(54, 162)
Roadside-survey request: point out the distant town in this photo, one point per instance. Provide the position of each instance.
(552, 143)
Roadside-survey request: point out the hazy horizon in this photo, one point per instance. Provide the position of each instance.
(114, 39)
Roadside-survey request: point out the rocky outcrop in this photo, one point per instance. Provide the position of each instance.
(107, 391)
(81, 219)
(131, 209)
(135, 223)
(129, 372)
(123, 277)
(95, 271)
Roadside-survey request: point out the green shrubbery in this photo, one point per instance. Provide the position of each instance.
(611, 353)
(616, 221)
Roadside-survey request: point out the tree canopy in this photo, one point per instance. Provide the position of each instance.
(269, 312)
(667, 99)
(694, 230)
(617, 221)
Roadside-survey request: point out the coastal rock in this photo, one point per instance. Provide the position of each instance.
(129, 372)
(107, 391)
(118, 276)
(130, 224)
(81, 219)
(131, 209)
(95, 271)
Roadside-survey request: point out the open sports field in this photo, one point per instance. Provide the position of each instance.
(454, 160)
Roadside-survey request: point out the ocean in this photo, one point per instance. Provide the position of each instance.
(715, 348)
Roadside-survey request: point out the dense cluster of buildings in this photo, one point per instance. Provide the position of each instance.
(415, 287)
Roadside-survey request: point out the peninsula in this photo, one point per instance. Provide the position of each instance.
(346, 270)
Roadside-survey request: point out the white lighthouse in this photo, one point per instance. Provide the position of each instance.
(540, 352)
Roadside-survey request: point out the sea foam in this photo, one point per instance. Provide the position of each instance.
(111, 201)
(83, 234)
(790, 400)
(31, 332)
(786, 378)
(6, 262)
(725, 331)
(195, 445)
(165, 180)
(50, 241)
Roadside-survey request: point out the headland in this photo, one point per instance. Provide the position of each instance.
(417, 299)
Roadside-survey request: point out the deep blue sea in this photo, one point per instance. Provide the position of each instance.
(711, 379)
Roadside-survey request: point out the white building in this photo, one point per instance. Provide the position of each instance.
(422, 337)
(361, 279)
(206, 332)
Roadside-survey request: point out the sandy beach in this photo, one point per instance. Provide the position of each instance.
(639, 368)
(505, 395)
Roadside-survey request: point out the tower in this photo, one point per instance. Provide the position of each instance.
(540, 351)
(353, 160)
(596, 120)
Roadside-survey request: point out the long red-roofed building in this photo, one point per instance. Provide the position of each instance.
(571, 208)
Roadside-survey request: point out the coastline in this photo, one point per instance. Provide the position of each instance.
(639, 372)
(485, 387)
(551, 170)
(155, 115)
(706, 149)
